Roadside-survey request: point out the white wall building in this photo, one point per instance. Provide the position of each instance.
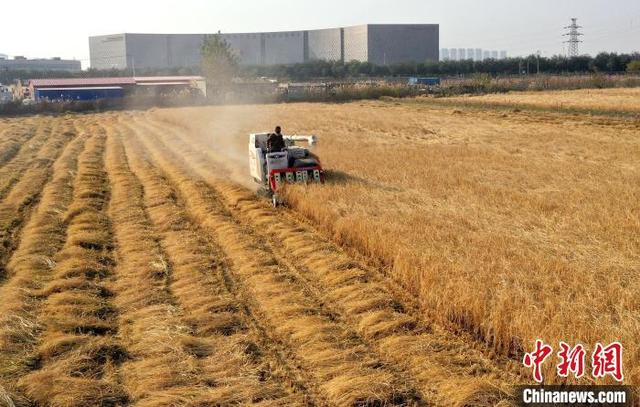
(380, 44)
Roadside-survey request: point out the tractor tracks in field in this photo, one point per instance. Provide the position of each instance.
(443, 368)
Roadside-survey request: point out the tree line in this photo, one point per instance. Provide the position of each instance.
(603, 63)
(217, 58)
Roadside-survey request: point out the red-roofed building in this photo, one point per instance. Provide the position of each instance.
(104, 88)
(80, 82)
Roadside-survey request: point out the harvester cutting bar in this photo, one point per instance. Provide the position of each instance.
(295, 176)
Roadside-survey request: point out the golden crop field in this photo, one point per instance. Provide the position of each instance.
(140, 267)
(625, 100)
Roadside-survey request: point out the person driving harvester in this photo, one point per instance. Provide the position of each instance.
(275, 142)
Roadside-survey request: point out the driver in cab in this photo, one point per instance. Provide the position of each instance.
(275, 142)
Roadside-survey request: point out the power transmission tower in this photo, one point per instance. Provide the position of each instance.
(574, 37)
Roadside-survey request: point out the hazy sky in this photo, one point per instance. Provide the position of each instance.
(45, 28)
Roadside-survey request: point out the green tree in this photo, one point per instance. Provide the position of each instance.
(219, 63)
(633, 66)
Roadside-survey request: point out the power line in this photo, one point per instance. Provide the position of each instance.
(574, 37)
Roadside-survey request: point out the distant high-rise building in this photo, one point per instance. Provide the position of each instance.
(471, 53)
(475, 54)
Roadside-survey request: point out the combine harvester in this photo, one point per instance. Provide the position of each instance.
(294, 164)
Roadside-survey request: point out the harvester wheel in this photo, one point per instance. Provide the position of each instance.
(275, 200)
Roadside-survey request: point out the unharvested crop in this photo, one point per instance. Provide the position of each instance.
(616, 100)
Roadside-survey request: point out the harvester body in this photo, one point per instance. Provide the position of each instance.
(294, 164)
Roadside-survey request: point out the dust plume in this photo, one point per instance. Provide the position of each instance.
(225, 129)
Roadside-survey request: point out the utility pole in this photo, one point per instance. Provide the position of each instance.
(538, 62)
(574, 38)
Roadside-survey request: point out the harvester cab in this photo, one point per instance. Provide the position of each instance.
(294, 164)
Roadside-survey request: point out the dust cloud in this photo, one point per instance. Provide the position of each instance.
(225, 131)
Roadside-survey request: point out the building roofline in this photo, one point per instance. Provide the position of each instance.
(111, 81)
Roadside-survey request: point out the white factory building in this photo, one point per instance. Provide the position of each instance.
(380, 44)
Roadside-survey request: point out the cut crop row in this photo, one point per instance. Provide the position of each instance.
(13, 137)
(179, 335)
(27, 179)
(78, 353)
(30, 269)
(32, 153)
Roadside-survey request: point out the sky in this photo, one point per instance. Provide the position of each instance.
(45, 28)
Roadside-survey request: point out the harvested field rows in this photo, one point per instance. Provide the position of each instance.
(78, 351)
(136, 270)
(13, 137)
(22, 180)
(360, 299)
(335, 360)
(30, 269)
(215, 359)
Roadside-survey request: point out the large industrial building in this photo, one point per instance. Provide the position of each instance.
(380, 44)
